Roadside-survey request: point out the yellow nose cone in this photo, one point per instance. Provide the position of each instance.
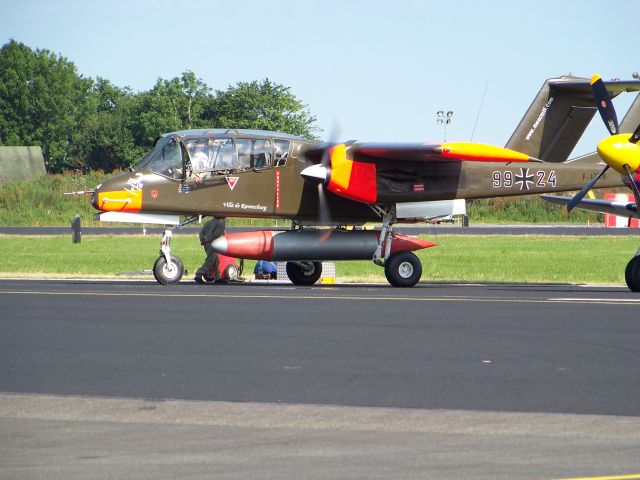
(617, 152)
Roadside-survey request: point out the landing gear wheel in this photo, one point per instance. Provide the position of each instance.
(304, 273)
(632, 274)
(168, 274)
(403, 269)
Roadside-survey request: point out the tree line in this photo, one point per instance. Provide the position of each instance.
(91, 124)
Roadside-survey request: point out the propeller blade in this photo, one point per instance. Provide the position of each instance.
(605, 107)
(634, 186)
(636, 136)
(580, 195)
(325, 214)
(325, 167)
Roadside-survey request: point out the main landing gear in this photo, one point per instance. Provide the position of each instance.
(304, 273)
(402, 269)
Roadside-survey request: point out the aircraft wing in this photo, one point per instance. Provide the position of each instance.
(623, 209)
(352, 169)
(420, 152)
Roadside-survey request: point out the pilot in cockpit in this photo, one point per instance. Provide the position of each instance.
(200, 163)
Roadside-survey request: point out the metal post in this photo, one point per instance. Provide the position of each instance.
(76, 234)
(444, 120)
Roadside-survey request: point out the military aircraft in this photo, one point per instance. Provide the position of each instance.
(620, 152)
(262, 174)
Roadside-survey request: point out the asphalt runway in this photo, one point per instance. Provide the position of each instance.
(106, 379)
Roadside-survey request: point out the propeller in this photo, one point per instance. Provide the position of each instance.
(580, 195)
(634, 185)
(636, 136)
(323, 205)
(618, 151)
(605, 107)
(319, 173)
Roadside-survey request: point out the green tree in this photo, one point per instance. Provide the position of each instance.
(109, 139)
(43, 101)
(85, 124)
(171, 105)
(261, 105)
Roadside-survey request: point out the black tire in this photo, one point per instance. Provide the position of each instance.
(632, 274)
(165, 275)
(403, 269)
(304, 276)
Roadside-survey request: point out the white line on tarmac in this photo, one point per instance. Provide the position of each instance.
(165, 294)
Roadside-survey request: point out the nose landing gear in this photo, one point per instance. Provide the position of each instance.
(167, 269)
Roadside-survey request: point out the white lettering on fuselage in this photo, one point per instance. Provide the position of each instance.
(134, 185)
(524, 180)
(244, 206)
(539, 119)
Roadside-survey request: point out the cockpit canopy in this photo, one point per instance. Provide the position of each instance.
(179, 154)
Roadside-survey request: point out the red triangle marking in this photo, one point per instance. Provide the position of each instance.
(232, 181)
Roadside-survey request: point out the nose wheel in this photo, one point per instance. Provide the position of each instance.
(168, 273)
(167, 269)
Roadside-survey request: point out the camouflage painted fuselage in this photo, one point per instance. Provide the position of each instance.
(275, 189)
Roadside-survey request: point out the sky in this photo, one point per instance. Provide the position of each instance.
(367, 70)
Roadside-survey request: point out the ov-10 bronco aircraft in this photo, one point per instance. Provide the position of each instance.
(261, 174)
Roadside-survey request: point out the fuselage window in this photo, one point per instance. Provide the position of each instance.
(165, 158)
(261, 153)
(224, 155)
(244, 147)
(253, 153)
(208, 154)
(280, 152)
(200, 153)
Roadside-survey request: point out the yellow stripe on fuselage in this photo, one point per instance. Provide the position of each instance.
(120, 201)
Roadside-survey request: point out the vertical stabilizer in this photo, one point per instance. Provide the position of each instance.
(559, 115)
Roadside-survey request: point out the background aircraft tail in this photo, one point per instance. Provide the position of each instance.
(559, 115)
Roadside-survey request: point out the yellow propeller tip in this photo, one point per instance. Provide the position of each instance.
(595, 78)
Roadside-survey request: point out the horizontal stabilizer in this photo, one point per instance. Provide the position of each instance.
(623, 209)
